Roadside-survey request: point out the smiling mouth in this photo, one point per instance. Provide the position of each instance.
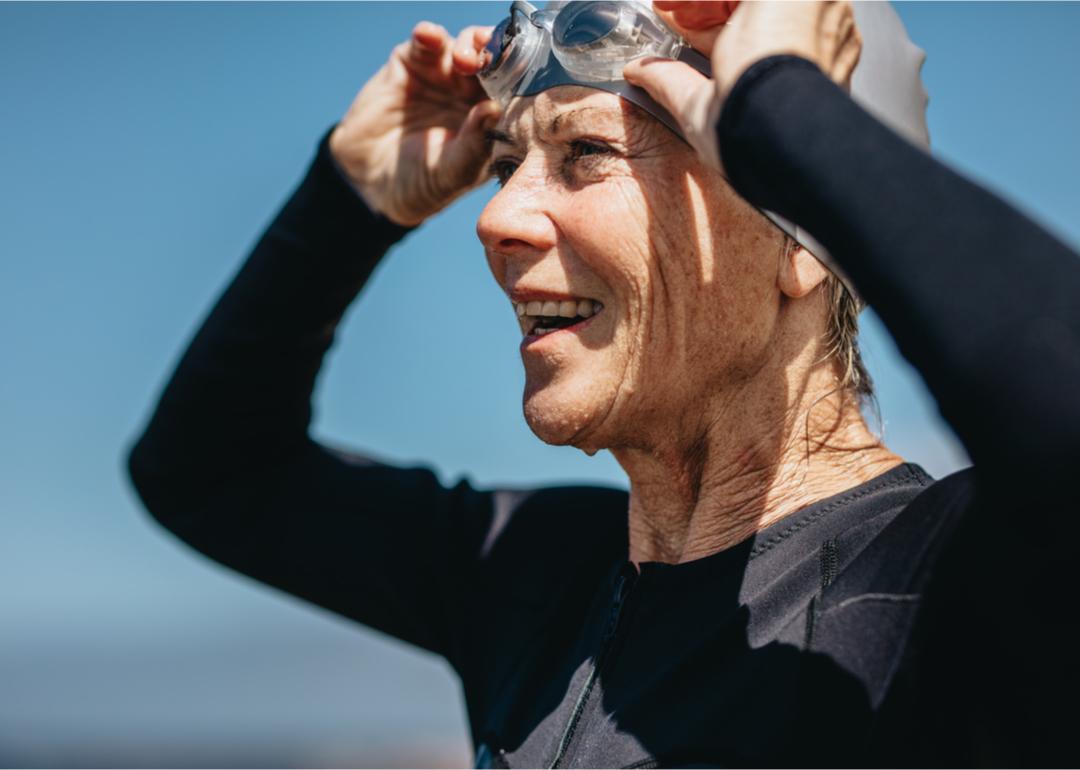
(541, 317)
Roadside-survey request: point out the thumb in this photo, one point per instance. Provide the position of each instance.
(463, 160)
(671, 83)
(689, 96)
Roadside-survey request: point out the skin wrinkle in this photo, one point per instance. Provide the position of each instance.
(704, 373)
(647, 142)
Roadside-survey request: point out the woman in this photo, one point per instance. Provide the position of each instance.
(779, 587)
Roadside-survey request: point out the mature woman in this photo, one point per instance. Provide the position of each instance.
(779, 587)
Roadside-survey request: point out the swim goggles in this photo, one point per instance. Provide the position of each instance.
(581, 43)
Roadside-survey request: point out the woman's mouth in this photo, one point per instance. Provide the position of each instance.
(539, 318)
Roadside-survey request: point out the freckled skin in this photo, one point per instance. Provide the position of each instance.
(628, 232)
(703, 358)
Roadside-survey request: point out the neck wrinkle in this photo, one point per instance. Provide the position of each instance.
(696, 498)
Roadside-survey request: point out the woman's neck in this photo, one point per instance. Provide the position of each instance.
(748, 464)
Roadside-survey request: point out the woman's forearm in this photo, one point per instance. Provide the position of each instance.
(241, 393)
(981, 300)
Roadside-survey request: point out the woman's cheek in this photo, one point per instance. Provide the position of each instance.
(608, 223)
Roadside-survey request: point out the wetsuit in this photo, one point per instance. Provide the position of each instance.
(904, 621)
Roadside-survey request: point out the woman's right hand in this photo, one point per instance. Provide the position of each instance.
(413, 139)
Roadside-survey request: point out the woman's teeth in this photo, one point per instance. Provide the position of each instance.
(543, 317)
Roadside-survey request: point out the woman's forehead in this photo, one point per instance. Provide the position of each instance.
(570, 109)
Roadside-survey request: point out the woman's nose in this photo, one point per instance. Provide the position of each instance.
(517, 222)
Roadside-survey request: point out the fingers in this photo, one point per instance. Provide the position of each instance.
(696, 15)
(483, 116)
(701, 39)
(468, 49)
(688, 95)
(671, 83)
(463, 163)
(443, 62)
(427, 45)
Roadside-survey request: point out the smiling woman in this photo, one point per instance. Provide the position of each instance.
(778, 587)
(684, 254)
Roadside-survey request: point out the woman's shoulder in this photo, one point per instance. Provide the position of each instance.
(919, 514)
(876, 578)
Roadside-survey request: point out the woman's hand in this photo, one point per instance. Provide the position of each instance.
(737, 35)
(413, 140)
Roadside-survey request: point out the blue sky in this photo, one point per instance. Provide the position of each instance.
(142, 149)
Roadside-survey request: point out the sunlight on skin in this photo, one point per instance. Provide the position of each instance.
(701, 370)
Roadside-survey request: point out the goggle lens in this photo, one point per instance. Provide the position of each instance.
(582, 24)
(496, 47)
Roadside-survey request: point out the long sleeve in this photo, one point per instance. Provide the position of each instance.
(227, 465)
(981, 300)
(986, 305)
(226, 462)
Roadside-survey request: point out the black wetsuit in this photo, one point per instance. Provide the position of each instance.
(905, 621)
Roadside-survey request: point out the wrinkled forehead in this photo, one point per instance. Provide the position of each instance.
(576, 110)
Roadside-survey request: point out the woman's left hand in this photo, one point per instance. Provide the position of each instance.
(736, 35)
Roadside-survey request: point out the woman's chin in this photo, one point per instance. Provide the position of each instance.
(560, 419)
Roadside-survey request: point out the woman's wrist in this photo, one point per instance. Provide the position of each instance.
(332, 142)
(326, 214)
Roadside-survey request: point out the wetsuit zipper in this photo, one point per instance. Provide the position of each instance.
(622, 588)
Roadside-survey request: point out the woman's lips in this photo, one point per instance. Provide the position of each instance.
(536, 340)
(544, 314)
(538, 317)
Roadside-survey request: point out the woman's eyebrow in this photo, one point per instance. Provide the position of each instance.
(593, 116)
(568, 118)
(493, 135)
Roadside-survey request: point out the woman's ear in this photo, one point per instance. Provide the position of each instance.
(800, 272)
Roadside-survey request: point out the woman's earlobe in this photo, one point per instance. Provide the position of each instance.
(800, 271)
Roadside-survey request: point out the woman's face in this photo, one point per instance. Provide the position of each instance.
(603, 207)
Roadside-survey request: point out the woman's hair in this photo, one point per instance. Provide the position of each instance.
(842, 339)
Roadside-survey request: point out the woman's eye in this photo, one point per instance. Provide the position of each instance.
(584, 148)
(585, 159)
(502, 169)
(581, 152)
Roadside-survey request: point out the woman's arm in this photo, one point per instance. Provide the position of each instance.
(981, 300)
(226, 462)
(986, 305)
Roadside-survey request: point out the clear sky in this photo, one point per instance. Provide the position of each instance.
(142, 149)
